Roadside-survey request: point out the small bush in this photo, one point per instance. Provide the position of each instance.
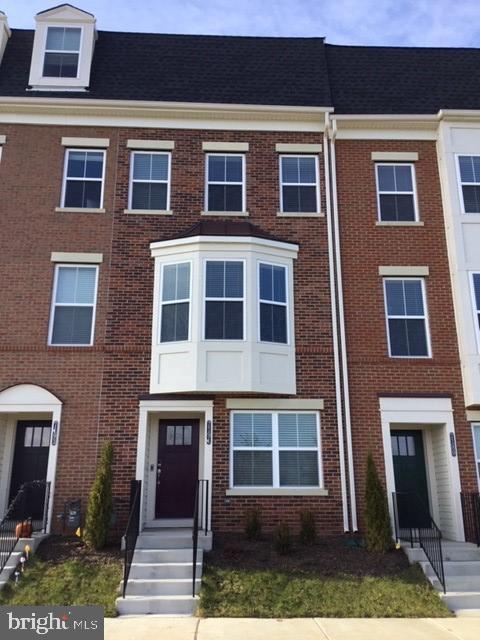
(308, 531)
(282, 540)
(378, 536)
(100, 504)
(253, 524)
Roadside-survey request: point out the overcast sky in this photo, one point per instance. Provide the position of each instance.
(369, 22)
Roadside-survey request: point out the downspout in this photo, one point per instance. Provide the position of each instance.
(343, 342)
(333, 302)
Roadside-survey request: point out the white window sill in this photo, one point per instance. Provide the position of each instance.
(394, 223)
(224, 213)
(277, 492)
(149, 212)
(300, 214)
(78, 210)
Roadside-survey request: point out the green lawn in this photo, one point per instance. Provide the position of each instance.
(239, 593)
(71, 582)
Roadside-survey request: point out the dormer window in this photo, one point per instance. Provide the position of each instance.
(62, 52)
(62, 49)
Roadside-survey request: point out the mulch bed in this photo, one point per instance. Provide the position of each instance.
(327, 557)
(57, 549)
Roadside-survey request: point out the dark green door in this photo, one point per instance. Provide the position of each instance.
(410, 478)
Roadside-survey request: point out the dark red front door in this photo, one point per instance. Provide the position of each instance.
(177, 468)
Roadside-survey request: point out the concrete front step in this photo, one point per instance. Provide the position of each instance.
(172, 539)
(166, 605)
(460, 584)
(163, 570)
(169, 587)
(461, 600)
(461, 568)
(450, 554)
(166, 555)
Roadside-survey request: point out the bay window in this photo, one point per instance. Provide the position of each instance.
(224, 300)
(275, 450)
(273, 303)
(175, 302)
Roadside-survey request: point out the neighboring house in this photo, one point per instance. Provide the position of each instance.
(228, 255)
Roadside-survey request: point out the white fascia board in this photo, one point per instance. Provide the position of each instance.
(404, 271)
(300, 404)
(220, 241)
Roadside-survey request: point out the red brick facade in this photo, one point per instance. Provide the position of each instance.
(100, 385)
(365, 247)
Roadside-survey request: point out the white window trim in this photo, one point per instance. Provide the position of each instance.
(425, 318)
(242, 300)
(299, 184)
(275, 449)
(475, 308)
(243, 183)
(285, 304)
(132, 180)
(162, 303)
(102, 179)
(476, 425)
(460, 183)
(413, 192)
(62, 304)
(45, 50)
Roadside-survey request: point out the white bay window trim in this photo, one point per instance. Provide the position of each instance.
(275, 449)
(261, 301)
(164, 303)
(224, 299)
(55, 304)
(476, 305)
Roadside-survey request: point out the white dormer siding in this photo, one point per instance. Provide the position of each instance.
(5, 34)
(62, 50)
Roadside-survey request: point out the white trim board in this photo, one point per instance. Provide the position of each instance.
(87, 258)
(403, 271)
(100, 143)
(275, 403)
(394, 156)
(162, 145)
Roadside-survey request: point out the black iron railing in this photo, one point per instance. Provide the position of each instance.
(471, 516)
(413, 523)
(200, 522)
(27, 514)
(131, 532)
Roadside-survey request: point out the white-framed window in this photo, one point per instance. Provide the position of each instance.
(224, 299)
(299, 184)
(83, 178)
(275, 449)
(476, 448)
(273, 306)
(62, 52)
(175, 302)
(406, 314)
(396, 192)
(475, 282)
(150, 180)
(72, 317)
(225, 182)
(468, 168)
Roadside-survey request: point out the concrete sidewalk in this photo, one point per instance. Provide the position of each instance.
(159, 628)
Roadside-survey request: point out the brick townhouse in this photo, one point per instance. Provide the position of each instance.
(245, 261)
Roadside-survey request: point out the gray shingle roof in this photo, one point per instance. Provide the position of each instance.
(182, 68)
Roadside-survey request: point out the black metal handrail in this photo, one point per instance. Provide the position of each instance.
(25, 515)
(200, 521)
(131, 532)
(419, 526)
(471, 516)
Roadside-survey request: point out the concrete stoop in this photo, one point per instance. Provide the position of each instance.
(14, 558)
(462, 575)
(160, 581)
